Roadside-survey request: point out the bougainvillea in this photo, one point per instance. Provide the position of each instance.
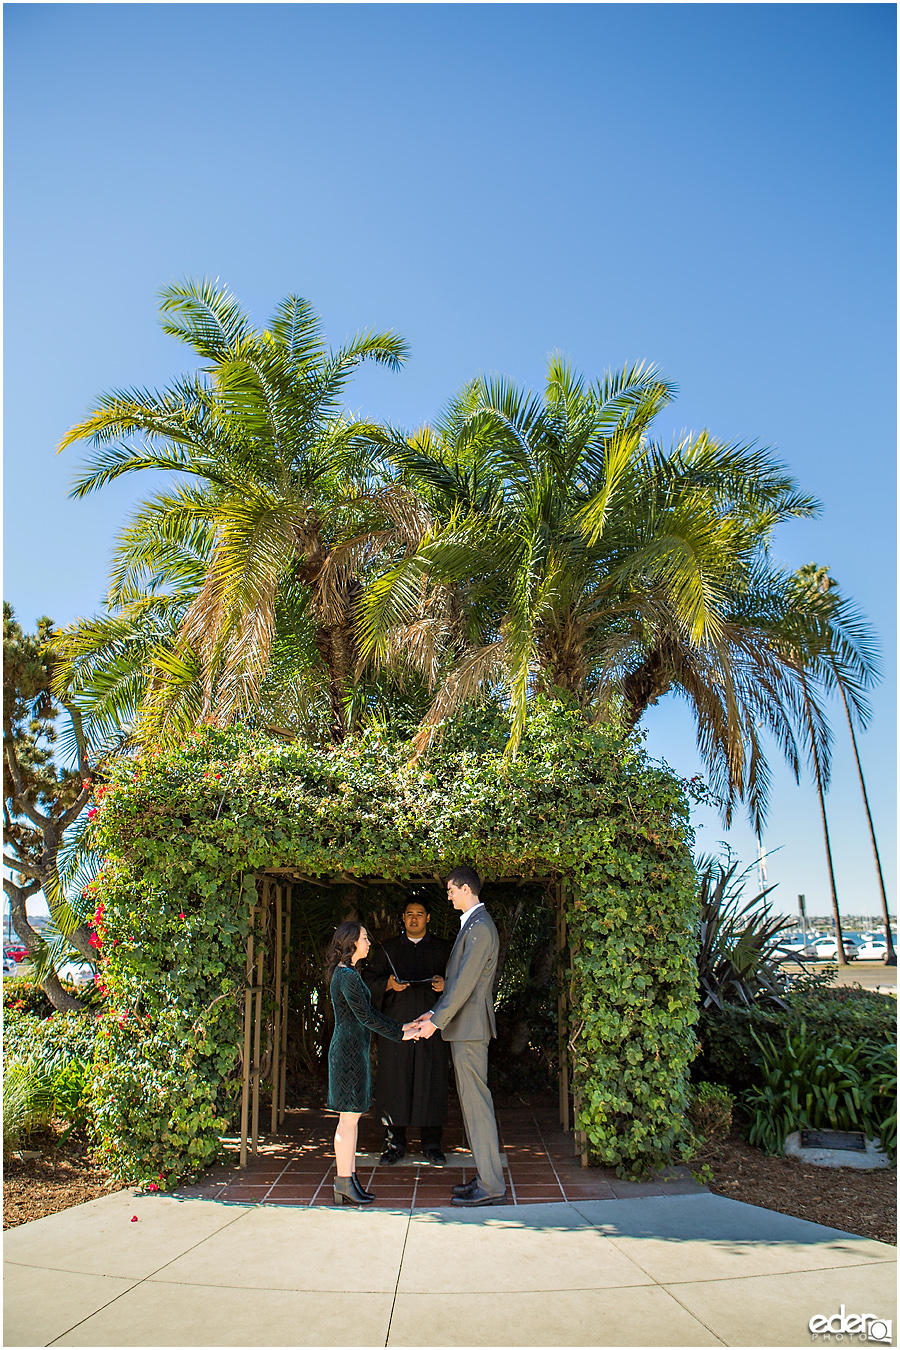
(186, 833)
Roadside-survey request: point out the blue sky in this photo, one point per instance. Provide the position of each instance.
(708, 187)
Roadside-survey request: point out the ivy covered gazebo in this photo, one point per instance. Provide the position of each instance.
(226, 859)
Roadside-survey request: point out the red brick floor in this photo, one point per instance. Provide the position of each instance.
(297, 1166)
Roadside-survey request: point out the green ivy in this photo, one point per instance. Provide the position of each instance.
(185, 833)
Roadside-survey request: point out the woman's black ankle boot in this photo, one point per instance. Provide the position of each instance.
(369, 1195)
(345, 1193)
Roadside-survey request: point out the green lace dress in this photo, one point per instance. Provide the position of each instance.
(349, 1068)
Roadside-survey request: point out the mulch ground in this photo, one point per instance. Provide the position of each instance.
(857, 1202)
(64, 1175)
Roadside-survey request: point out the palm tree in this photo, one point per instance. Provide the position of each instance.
(820, 789)
(841, 635)
(265, 463)
(585, 558)
(890, 955)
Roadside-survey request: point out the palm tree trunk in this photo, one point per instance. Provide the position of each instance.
(838, 935)
(644, 686)
(891, 956)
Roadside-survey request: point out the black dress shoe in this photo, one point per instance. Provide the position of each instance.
(360, 1189)
(435, 1156)
(479, 1197)
(392, 1154)
(466, 1188)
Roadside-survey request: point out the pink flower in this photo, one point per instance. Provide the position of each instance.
(92, 813)
(181, 916)
(134, 1218)
(153, 1186)
(94, 940)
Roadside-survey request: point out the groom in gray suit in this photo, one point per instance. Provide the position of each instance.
(464, 1015)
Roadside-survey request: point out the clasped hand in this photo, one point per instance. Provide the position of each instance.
(420, 1029)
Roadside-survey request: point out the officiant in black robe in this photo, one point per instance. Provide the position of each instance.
(406, 976)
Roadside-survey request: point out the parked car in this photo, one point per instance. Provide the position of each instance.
(795, 946)
(10, 966)
(826, 948)
(79, 972)
(875, 949)
(16, 953)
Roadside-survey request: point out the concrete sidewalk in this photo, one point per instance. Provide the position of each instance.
(679, 1270)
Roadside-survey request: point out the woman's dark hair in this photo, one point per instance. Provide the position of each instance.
(342, 946)
(466, 876)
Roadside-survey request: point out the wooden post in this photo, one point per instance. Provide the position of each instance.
(287, 997)
(257, 1026)
(276, 1029)
(562, 1010)
(248, 997)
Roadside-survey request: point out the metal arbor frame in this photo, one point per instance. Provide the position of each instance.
(270, 929)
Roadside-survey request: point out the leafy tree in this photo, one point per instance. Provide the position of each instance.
(265, 463)
(41, 800)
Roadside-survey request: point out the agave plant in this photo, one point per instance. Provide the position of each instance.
(738, 960)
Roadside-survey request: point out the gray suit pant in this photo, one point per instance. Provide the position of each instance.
(470, 1062)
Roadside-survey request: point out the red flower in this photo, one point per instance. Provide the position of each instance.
(134, 1218)
(94, 940)
(153, 1186)
(92, 813)
(181, 916)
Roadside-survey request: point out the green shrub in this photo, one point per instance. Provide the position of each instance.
(730, 1050)
(846, 1011)
(23, 995)
(52, 1055)
(50, 1042)
(710, 1110)
(808, 1084)
(879, 1069)
(27, 1102)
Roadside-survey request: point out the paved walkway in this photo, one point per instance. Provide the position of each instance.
(664, 1270)
(296, 1167)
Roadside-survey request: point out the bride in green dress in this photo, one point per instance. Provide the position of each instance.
(349, 1069)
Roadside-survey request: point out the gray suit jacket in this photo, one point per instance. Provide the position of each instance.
(465, 1010)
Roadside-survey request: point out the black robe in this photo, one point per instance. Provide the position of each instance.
(411, 1083)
